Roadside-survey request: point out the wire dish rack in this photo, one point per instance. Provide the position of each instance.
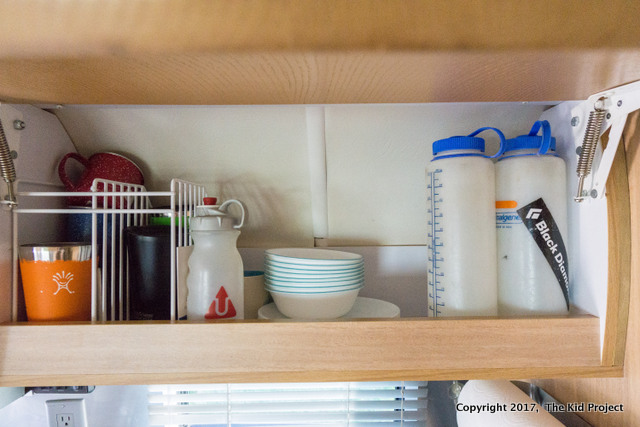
(114, 207)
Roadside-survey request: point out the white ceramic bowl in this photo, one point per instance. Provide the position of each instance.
(307, 268)
(330, 305)
(312, 256)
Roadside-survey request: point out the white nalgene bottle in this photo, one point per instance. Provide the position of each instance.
(215, 282)
(531, 222)
(462, 277)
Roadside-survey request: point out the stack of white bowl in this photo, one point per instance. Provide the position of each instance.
(309, 283)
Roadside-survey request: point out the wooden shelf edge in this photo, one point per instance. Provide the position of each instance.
(620, 253)
(257, 351)
(310, 376)
(318, 77)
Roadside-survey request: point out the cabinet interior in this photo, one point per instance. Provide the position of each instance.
(388, 61)
(375, 159)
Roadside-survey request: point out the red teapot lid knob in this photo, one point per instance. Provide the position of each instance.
(209, 201)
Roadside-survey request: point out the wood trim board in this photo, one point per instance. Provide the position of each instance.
(318, 77)
(255, 351)
(619, 274)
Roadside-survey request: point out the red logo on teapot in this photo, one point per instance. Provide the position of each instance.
(221, 307)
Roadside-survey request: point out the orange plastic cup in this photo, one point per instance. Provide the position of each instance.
(56, 279)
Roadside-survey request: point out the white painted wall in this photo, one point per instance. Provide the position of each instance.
(257, 155)
(9, 394)
(106, 406)
(375, 160)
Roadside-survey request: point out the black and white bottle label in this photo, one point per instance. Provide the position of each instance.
(544, 230)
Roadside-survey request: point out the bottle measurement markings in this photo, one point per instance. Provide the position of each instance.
(435, 243)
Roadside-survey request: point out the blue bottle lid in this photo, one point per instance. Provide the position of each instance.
(544, 144)
(458, 143)
(528, 142)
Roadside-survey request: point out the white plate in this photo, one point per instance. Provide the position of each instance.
(351, 280)
(342, 281)
(364, 308)
(312, 274)
(315, 268)
(312, 290)
(313, 256)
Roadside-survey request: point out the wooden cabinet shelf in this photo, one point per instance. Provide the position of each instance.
(291, 52)
(256, 351)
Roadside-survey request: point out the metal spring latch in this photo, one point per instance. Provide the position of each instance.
(589, 144)
(7, 169)
(607, 110)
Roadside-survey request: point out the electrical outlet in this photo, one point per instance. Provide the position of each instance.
(65, 420)
(66, 413)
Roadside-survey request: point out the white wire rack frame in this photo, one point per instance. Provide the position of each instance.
(119, 205)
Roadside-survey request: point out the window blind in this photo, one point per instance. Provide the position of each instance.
(359, 404)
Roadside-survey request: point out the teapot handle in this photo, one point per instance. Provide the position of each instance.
(239, 203)
(63, 173)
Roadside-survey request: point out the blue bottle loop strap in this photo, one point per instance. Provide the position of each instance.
(546, 135)
(500, 135)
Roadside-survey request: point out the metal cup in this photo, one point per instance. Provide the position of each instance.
(149, 254)
(56, 279)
